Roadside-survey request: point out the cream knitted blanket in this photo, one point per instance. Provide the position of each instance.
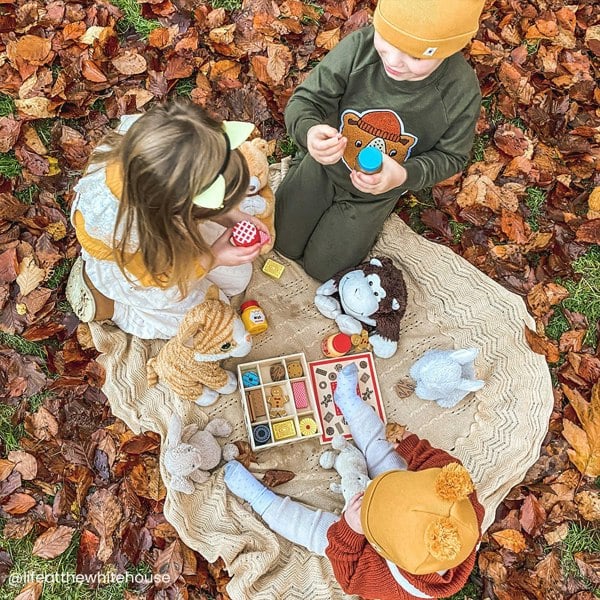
(496, 433)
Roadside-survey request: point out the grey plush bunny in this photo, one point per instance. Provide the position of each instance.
(191, 452)
(446, 376)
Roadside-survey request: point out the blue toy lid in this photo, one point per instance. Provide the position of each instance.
(369, 159)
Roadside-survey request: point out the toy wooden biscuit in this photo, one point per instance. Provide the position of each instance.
(276, 401)
(294, 369)
(284, 429)
(256, 406)
(277, 372)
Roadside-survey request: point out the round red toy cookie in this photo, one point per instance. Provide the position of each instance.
(245, 234)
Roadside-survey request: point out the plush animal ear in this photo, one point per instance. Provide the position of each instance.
(376, 262)
(471, 385)
(187, 340)
(464, 356)
(212, 293)
(174, 430)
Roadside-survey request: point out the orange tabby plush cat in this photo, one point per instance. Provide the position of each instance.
(189, 362)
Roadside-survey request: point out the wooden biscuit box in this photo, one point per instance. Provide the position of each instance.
(285, 399)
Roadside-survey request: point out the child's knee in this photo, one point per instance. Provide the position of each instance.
(323, 266)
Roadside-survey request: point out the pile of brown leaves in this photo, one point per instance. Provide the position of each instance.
(71, 68)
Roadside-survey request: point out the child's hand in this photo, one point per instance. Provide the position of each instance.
(352, 513)
(391, 176)
(325, 144)
(228, 255)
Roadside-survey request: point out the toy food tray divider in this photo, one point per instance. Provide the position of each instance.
(279, 405)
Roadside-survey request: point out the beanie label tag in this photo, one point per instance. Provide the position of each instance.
(430, 51)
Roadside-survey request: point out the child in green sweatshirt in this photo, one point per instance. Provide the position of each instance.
(401, 86)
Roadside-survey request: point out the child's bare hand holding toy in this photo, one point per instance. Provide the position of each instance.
(392, 175)
(325, 144)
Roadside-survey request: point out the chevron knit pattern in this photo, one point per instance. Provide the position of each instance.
(496, 432)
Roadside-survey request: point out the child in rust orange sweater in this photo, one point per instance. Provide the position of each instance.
(413, 533)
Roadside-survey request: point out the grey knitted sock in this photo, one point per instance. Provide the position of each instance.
(300, 524)
(367, 429)
(244, 485)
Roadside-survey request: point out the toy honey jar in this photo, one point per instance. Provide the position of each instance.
(253, 317)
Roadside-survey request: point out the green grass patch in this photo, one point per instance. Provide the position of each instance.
(227, 4)
(43, 128)
(535, 199)
(9, 434)
(98, 105)
(29, 194)
(10, 167)
(184, 87)
(579, 539)
(7, 105)
(21, 345)
(288, 146)
(132, 19)
(479, 145)
(557, 324)
(584, 294)
(37, 400)
(59, 573)
(317, 10)
(532, 46)
(59, 273)
(457, 230)
(63, 306)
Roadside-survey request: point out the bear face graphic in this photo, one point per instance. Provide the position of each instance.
(382, 129)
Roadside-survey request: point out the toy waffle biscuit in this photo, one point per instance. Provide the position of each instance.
(300, 394)
(294, 369)
(256, 406)
(245, 234)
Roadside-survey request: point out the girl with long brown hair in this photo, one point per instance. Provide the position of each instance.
(153, 215)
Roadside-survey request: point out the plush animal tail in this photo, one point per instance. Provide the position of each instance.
(151, 373)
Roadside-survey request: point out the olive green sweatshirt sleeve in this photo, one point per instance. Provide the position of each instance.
(317, 99)
(452, 151)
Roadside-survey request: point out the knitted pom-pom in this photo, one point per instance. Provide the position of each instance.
(442, 539)
(453, 483)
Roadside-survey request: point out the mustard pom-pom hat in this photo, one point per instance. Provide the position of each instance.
(422, 521)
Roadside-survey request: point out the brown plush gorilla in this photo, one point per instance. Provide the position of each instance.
(373, 294)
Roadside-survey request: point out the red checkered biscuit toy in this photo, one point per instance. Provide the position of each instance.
(245, 234)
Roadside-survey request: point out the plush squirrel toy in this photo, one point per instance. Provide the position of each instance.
(446, 376)
(191, 452)
(350, 464)
(372, 293)
(189, 362)
(260, 201)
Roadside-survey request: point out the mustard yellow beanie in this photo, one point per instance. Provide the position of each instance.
(422, 521)
(427, 28)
